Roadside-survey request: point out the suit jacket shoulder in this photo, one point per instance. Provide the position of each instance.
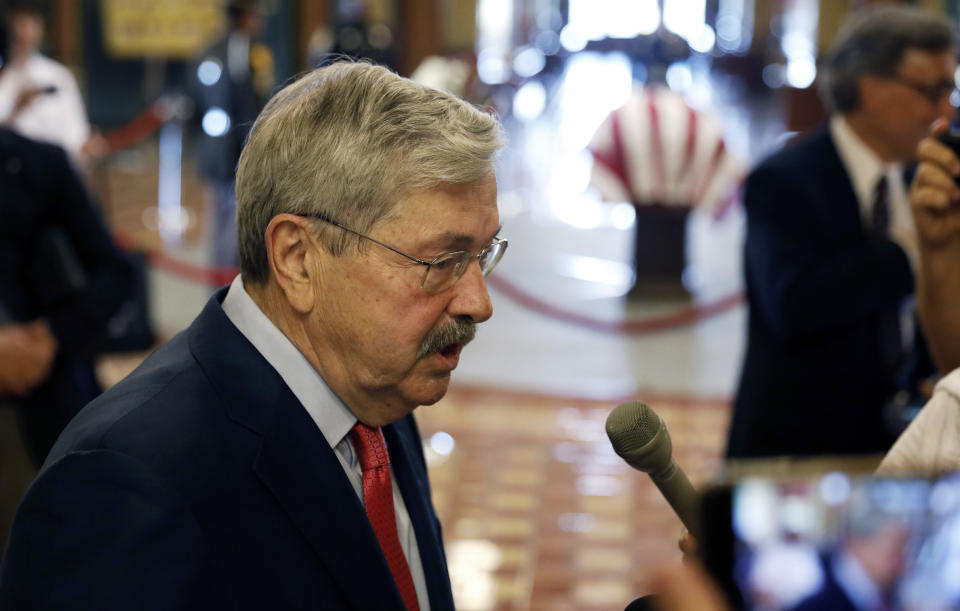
(203, 452)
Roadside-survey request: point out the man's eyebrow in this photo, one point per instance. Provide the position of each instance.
(458, 240)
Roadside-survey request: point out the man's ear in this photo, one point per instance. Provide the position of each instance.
(292, 259)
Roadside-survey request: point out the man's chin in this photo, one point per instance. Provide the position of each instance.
(430, 390)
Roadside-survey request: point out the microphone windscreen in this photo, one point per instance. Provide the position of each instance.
(632, 425)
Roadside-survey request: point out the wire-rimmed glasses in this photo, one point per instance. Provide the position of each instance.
(444, 270)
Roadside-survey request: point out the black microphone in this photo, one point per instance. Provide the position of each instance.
(639, 437)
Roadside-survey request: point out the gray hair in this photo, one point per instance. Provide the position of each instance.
(348, 141)
(873, 42)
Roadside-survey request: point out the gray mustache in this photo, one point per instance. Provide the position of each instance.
(455, 332)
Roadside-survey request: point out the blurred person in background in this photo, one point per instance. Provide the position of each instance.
(864, 570)
(267, 456)
(830, 246)
(39, 97)
(61, 278)
(229, 83)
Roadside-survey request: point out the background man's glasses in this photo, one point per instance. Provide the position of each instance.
(934, 94)
(444, 270)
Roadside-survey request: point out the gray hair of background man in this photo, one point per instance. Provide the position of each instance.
(873, 43)
(348, 141)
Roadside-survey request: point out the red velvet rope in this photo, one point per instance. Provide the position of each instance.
(136, 131)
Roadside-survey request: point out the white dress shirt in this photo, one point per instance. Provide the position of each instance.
(855, 582)
(865, 169)
(328, 411)
(931, 444)
(58, 117)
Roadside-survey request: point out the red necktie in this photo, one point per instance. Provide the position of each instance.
(378, 499)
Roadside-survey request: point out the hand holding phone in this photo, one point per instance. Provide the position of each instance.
(935, 191)
(28, 94)
(951, 138)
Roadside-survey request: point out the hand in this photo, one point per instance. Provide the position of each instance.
(26, 96)
(934, 194)
(687, 587)
(95, 148)
(26, 356)
(687, 545)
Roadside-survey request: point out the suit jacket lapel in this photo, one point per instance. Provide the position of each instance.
(845, 217)
(303, 473)
(295, 463)
(403, 442)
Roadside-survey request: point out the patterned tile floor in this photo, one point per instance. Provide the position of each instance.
(538, 511)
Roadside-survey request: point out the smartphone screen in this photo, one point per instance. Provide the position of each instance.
(836, 541)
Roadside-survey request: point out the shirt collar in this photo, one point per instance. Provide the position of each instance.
(855, 582)
(863, 166)
(328, 411)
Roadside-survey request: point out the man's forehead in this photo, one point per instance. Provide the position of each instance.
(460, 216)
(925, 62)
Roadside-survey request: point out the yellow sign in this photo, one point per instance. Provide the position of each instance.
(160, 28)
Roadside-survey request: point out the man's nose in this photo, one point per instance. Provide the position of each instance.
(472, 299)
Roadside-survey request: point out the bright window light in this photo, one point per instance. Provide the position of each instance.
(597, 19)
(529, 101)
(684, 17)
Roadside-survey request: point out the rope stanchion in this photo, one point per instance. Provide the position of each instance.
(652, 324)
(137, 130)
(215, 277)
(144, 125)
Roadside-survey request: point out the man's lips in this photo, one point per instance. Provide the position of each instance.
(450, 355)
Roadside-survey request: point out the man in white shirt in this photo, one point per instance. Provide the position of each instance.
(39, 97)
(267, 456)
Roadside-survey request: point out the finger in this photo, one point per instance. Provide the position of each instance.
(931, 178)
(939, 126)
(932, 150)
(932, 174)
(687, 543)
(687, 588)
(929, 198)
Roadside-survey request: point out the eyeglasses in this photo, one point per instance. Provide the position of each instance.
(933, 93)
(444, 270)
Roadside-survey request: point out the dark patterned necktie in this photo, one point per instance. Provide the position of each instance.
(378, 500)
(891, 339)
(880, 215)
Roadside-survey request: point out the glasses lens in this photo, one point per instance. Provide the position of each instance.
(490, 256)
(445, 270)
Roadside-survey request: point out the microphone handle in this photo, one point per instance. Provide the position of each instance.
(681, 495)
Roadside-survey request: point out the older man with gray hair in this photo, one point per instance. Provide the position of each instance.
(830, 246)
(267, 457)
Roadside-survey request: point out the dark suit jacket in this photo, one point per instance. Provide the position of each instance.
(813, 380)
(41, 196)
(830, 596)
(217, 155)
(200, 482)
